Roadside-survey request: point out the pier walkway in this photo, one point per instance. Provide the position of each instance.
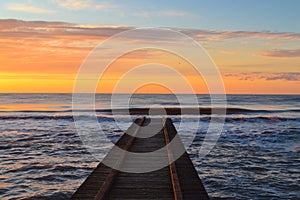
(178, 180)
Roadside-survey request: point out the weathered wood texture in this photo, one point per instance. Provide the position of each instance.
(179, 180)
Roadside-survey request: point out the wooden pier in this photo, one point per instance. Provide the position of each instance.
(178, 180)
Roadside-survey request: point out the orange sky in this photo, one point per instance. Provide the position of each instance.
(45, 57)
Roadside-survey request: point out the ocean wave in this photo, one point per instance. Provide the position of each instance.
(53, 117)
(261, 118)
(56, 195)
(168, 110)
(206, 118)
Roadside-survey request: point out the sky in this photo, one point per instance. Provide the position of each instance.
(254, 43)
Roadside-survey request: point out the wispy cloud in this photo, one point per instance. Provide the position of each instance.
(59, 47)
(229, 52)
(252, 76)
(281, 53)
(83, 4)
(27, 8)
(14, 28)
(173, 13)
(11, 28)
(144, 14)
(213, 35)
(167, 13)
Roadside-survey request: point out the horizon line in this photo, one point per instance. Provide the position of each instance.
(152, 93)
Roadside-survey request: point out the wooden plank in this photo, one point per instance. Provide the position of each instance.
(105, 187)
(178, 181)
(191, 185)
(146, 186)
(96, 185)
(173, 172)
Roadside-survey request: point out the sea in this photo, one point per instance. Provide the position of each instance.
(257, 155)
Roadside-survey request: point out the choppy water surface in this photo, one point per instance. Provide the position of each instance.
(256, 157)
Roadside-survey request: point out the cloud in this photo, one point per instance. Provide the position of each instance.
(292, 76)
(14, 25)
(82, 4)
(33, 39)
(11, 28)
(144, 14)
(283, 53)
(168, 13)
(173, 13)
(27, 8)
(17, 28)
(213, 35)
(252, 76)
(229, 52)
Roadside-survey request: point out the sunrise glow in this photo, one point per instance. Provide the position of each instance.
(41, 56)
